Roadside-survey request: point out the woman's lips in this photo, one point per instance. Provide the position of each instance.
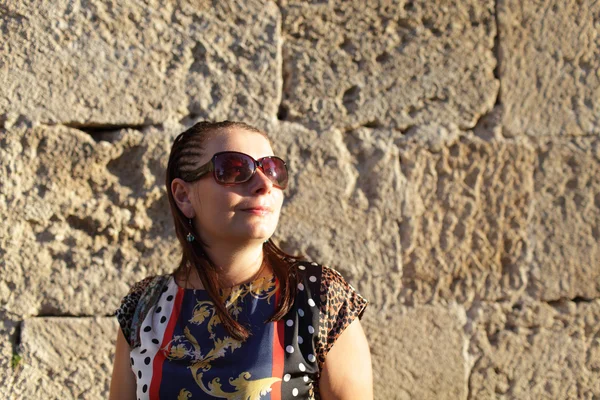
(257, 210)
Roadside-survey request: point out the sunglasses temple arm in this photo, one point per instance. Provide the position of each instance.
(201, 171)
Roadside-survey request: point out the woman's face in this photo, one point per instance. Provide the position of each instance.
(240, 212)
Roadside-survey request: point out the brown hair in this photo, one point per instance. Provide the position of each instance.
(186, 151)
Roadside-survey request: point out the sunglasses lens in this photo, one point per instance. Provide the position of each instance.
(233, 168)
(275, 169)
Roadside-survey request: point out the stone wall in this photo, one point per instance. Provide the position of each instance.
(445, 158)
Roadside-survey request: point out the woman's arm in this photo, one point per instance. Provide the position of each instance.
(122, 385)
(347, 372)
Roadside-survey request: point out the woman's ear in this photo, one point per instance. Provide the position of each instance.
(182, 193)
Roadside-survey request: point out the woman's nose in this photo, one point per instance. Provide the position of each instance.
(260, 182)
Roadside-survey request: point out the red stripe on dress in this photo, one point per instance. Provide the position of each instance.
(160, 357)
(277, 371)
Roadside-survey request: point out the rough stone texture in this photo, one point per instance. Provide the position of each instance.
(549, 67)
(430, 190)
(565, 223)
(418, 353)
(66, 358)
(464, 221)
(394, 64)
(337, 209)
(9, 332)
(534, 350)
(137, 62)
(93, 218)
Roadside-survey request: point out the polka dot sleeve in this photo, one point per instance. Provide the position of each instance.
(340, 305)
(128, 305)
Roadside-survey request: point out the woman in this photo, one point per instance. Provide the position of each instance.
(239, 318)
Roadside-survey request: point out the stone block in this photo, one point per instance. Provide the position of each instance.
(139, 62)
(464, 227)
(66, 358)
(342, 206)
(535, 350)
(82, 220)
(418, 353)
(394, 64)
(548, 66)
(565, 221)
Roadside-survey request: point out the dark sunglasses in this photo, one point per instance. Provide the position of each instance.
(232, 167)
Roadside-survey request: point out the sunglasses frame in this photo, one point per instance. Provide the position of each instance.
(210, 167)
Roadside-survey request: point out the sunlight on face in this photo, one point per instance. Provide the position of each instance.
(241, 212)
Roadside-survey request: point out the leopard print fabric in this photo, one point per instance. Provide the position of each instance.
(340, 304)
(128, 305)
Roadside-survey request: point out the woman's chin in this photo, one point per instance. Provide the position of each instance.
(256, 233)
(258, 229)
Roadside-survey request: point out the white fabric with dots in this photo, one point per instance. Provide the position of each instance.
(301, 367)
(143, 356)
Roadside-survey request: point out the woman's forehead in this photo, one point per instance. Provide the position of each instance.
(251, 143)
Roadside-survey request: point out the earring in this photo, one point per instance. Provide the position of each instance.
(190, 237)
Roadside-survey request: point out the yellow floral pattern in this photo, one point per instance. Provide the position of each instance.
(187, 346)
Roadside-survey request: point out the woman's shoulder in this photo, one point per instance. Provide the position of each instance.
(326, 276)
(130, 300)
(137, 289)
(330, 301)
(327, 288)
(139, 293)
(139, 286)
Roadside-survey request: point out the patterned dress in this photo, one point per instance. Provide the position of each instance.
(180, 350)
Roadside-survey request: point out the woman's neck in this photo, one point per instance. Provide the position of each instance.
(237, 264)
